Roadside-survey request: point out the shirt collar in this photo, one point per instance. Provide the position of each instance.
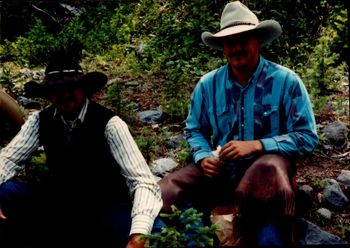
(81, 115)
(253, 78)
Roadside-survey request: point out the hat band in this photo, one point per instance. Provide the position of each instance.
(238, 24)
(63, 71)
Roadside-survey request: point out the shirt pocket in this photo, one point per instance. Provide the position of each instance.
(222, 118)
(266, 123)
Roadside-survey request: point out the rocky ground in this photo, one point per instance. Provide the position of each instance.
(314, 173)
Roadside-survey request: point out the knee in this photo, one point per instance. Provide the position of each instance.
(267, 168)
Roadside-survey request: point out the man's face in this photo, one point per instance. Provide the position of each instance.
(68, 101)
(241, 50)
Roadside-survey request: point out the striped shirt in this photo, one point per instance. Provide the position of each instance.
(142, 185)
(273, 107)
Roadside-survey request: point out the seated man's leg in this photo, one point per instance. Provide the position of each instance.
(188, 187)
(178, 187)
(266, 197)
(111, 226)
(20, 204)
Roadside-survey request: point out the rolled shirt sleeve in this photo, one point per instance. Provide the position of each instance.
(13, 156)
(147, 200)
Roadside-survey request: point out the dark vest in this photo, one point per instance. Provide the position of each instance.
(82, 168)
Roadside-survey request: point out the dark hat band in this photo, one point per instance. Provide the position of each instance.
(238, 24)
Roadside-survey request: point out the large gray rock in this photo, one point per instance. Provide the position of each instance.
(334, 197)
(151, 116)
(336, 133)
(310, 234)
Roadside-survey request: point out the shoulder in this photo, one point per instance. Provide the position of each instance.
(209, 77)
(116, 121)
(281, 71)
(116, 125)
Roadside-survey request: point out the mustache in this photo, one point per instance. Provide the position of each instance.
(239, 53)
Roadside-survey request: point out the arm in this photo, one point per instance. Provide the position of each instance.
(198, 129)
(13, 156)
(146, 192)
(300, 136)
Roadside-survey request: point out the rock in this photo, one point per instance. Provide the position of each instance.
(310, 234)
(175, 141)
(305, 198)
(150, 116)
(324, 213)
(344, 177)
(334, 197)
(336, 133)
(162, 166)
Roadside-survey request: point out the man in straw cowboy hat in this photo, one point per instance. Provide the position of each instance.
(98, 192)
(257, 117)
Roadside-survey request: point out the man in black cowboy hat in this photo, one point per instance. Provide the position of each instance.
(98, 192)
(256, 116)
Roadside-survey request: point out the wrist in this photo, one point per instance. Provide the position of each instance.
(137, 238)
(258, 146)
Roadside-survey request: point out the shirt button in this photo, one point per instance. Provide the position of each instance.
(242, 125)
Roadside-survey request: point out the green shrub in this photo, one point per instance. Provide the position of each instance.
(186, 230)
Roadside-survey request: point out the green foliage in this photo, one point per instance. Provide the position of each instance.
(122, 106)
(36, 168)
(322, 74)
(5, 78)
(344, 231)
(184, 154)
(146, 141)
(186, 230)
(320, 184)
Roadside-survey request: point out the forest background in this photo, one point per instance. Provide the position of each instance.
(155, 46)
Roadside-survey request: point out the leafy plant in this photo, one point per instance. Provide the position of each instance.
(36, 169)
(343, 230)
(184, 154)
(5, 78)
(185, 230)
(146, 142)
(122, 106)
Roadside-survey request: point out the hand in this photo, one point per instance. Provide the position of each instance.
(2, 216)
(211, 167)
(239, 149)
(136, 241)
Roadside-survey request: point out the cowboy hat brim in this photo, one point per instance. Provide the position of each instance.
(267, 31)
(90, 82)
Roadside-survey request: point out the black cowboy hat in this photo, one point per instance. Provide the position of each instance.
(64, 72)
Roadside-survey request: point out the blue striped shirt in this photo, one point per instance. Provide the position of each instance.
(273, 107)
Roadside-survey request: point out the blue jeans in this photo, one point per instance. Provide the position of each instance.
(35, 218)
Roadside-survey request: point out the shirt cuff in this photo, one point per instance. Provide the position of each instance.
(199, 156)
(141, 224)
(270, 144)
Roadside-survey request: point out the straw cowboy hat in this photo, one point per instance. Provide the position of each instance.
(64, 72)
(237, 18)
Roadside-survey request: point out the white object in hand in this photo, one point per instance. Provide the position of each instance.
(216, 152)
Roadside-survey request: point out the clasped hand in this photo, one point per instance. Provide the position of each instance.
(232, 150)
